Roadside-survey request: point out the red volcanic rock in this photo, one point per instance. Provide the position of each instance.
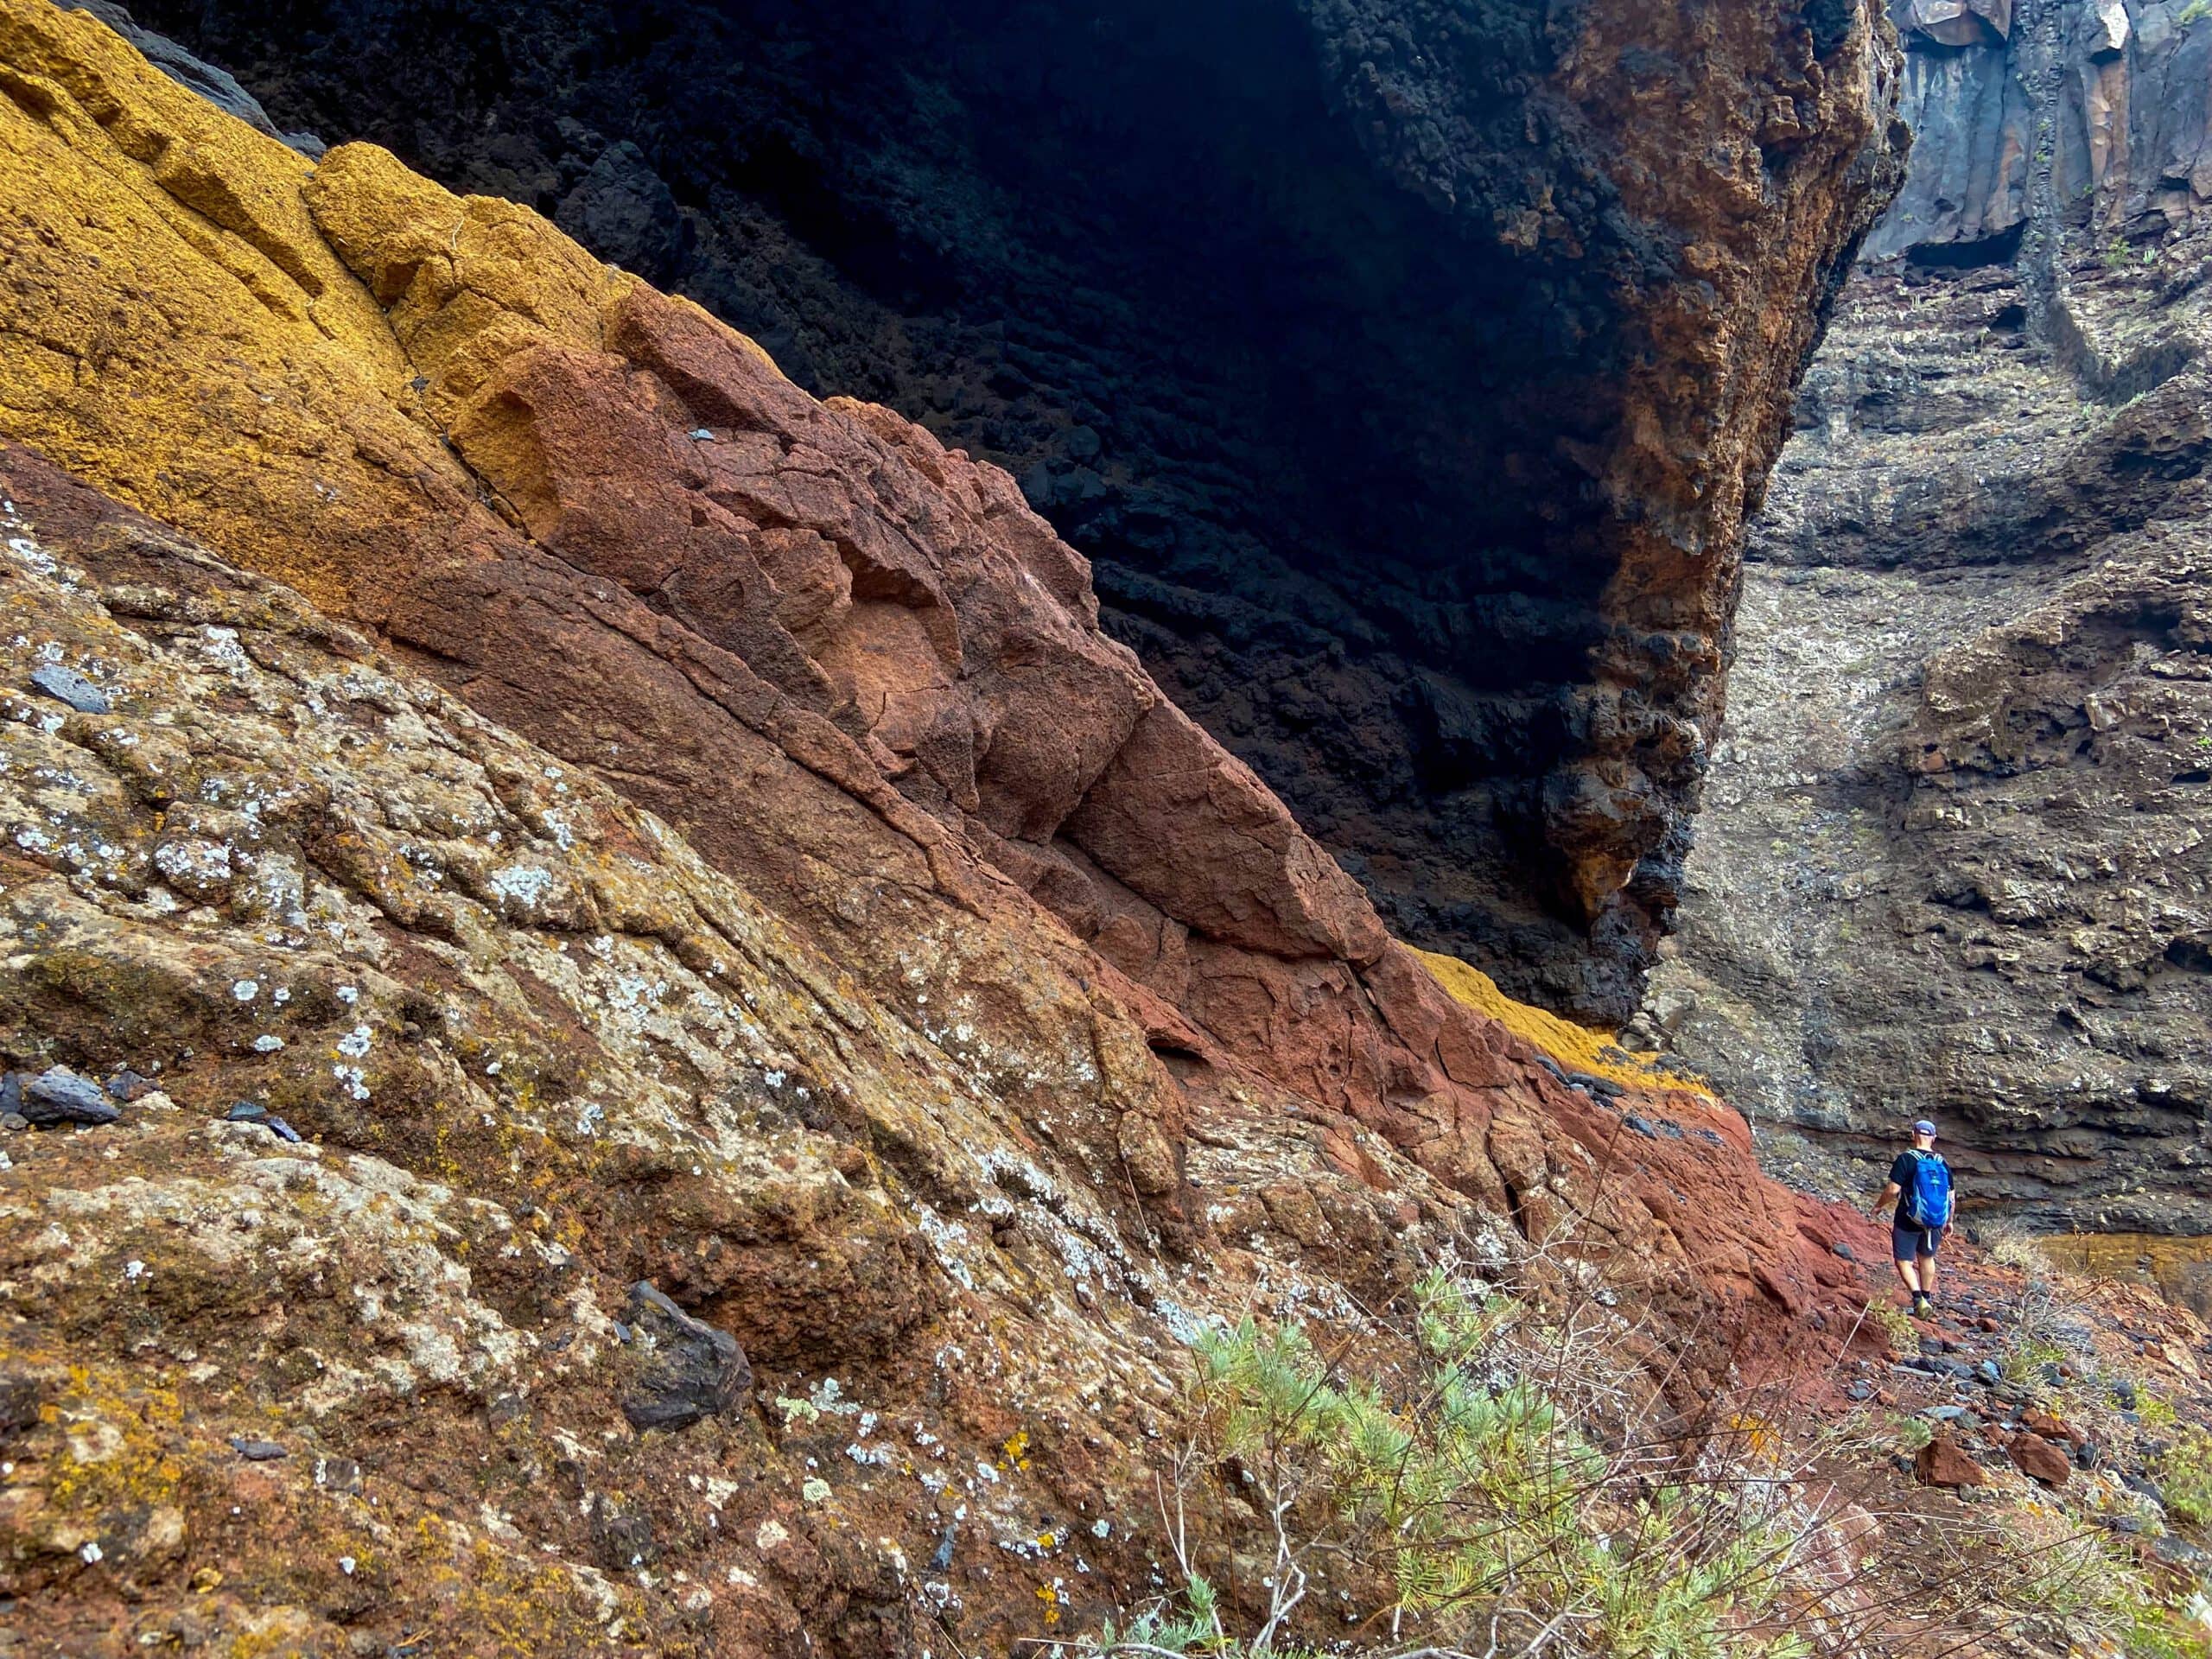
(2037, 1458)
(1941, 1463)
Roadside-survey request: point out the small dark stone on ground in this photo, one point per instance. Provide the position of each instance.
(338, 1474)
(128, 1085)
(19, 1399)
(1844, 1250)
(14, 1120)
(257, 1451)
(282, 1130)
(691, 1369)
(68, 685)
(60, 1095)
(1641, 1125)
(246, 1111)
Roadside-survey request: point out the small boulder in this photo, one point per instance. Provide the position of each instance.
(60, 1095)
(68, 685)
(1941, 1463)
(688, 1371)
(2038, 1459)
(128, 1085)
(257, 1451)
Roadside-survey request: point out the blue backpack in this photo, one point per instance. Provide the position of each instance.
(1928, 1203)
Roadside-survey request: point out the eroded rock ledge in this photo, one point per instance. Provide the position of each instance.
(1407, 370)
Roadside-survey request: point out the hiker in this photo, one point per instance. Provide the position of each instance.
(1921, 1182)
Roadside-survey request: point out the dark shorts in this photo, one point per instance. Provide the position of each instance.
(1906, 1243)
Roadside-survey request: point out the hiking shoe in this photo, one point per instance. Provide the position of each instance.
(1922, 1308)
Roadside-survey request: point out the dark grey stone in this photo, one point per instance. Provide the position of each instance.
(689, 1369)
(625, 213)
(257, 1451)
(217, 85)
(246, 1111)
(60, 1095)
(68, 685)
(20, 1397)
(338, 1475)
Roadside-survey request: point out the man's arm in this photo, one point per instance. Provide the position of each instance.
(1889, 1197)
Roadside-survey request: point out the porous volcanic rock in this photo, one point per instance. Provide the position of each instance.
(1957, 851)
(663, 828)
(1407, 369)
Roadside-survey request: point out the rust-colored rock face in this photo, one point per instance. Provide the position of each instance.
(667, 832)
(1409, 369)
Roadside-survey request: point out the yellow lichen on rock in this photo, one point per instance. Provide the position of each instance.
(172, 324)
(469, 281)
(1575, 1047)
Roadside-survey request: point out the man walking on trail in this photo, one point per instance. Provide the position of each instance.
(1921, 1182)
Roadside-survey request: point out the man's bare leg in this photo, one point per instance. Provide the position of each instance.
(1927, 1276)
(1909, 1276)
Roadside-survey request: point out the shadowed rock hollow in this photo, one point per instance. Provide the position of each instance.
(1407, 370)
(789, 1029)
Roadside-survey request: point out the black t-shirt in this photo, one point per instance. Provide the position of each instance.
(1902, 1173)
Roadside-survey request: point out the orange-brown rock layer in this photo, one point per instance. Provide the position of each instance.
(811, 912)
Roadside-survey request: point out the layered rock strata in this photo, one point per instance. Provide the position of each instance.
(789, 1030)
(1955, 855)
(1407, 370)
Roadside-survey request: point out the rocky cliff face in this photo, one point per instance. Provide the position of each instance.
(1407, 370)
(787, 1029)
(2095, 115)
(1955, 855)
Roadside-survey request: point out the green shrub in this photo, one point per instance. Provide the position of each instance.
(2185, 1478)
(1473, 1500)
